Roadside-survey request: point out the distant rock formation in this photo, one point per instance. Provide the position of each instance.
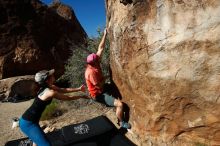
(165, 60)
(34, 36)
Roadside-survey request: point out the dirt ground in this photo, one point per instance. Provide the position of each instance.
(75, 112)
(7, 112)
(71, 112)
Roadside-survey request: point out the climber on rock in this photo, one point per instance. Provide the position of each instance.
(95, 82)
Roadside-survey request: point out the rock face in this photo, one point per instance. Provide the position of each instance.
(20, 87)
(165, 60)
(34, 36)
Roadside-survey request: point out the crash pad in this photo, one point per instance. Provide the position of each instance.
(98, 131)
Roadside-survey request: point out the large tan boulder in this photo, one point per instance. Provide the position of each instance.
(165, 60)
(17, 88)
(34, 36)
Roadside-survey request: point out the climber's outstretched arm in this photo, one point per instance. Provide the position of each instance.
(102, 44)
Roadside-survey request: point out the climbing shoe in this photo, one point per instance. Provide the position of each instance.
(125, 125)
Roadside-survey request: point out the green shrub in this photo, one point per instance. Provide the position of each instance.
(50, 110)
(75, 66)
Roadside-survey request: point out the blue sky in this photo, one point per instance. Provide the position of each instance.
(90, 13)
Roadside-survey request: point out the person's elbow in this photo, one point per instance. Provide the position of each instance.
(99, 52)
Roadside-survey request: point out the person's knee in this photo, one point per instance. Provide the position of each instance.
(118, 103)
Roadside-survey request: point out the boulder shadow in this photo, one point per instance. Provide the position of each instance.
(112, 89)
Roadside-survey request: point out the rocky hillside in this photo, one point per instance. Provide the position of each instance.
(34, 36)
(165, 60)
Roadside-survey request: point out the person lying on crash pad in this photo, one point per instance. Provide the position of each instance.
(29, 121)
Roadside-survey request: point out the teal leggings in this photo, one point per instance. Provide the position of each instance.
(34, 132)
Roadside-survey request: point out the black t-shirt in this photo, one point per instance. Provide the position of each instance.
(34, 112)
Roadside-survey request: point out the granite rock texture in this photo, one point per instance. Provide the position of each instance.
(165, 61)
